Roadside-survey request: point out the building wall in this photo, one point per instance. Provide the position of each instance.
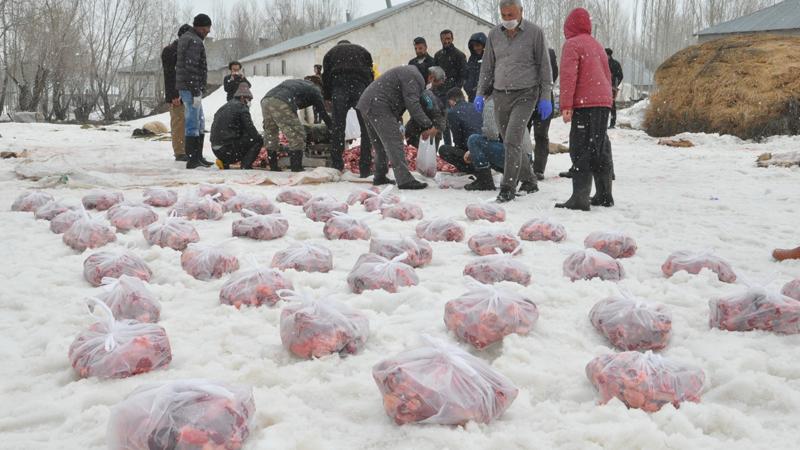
(299, 63)
(711, 37)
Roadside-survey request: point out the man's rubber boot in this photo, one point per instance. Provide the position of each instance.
(483, 181)
(581, 189)
(567, 174)
(336, 161)
(603, 196)
(528, 187)
(273, 162)
(296, 160)
(783, 255)
(365, 165)
(250, 157)
(506, 195)
(382, 180)
(413, 185)
(199, 149)
(193, 161)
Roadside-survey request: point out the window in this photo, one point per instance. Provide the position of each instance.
(283, 67)
(255, 70)
(267, 73)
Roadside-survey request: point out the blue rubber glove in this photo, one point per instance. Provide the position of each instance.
(545, 109)
(479, 103)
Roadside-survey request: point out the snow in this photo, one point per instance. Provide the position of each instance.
(711, 196)
(633, 117)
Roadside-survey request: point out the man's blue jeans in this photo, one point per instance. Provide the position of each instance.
(486, 153)
(195, 120)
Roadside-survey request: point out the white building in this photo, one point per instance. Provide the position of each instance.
(387, 34)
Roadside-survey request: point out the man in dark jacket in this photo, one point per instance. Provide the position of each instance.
(473, 72)
(541, 128)
(464, 121)
(346, 72)
(434, 109)
(616, 80)
(232, 80)
(454, 63)
(191, 75)
(423, 60)
(169, 58)
(234, 138)
(279, 108)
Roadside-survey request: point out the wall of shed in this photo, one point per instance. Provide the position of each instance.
(710, 37)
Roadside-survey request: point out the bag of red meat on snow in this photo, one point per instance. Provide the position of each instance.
(199, 208)
(321, 209)
(313, 328)
(488, 242)
(118, 348)
(756, 308)
(359, 194)
(304, 257)
(254, 287)
(101, 200)
(442, 384)
(260, 227)
(402, 211)
(418, 252)
(542, 230)
(160, 197)
(62, 222)
(377, 201)
(589, 263)
(440, 230)
(51, 209)
(128, 298)
(293, 196)
(792, 289)
(220, 192)
(644, 380)
(498, 267)
(693, 263)
(88, 232)
(129, 216)
(485, 211)
(613, 243)
(343, 226)
(186, 415)
(256, 203)
(631, 324)
(205, 262)
(113, 265)
(31, 201)
(173, 232)
(372, 272)
(486, 314)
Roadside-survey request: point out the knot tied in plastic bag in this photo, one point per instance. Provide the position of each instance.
(88, 232)
(694, 262)
(589, 263)
(372, 272)
(630, 324)
(129, 298)
(440, 230)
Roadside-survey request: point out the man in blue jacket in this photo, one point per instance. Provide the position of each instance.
(464, 121)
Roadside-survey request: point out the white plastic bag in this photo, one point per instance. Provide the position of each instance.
(174, 232)
(293, 196)
(127, 216)
(51, 209)
(426, 158)
(489, 211)
(418, 252)
(205, 262)
(128, 298)
(160, 197)
(694, 262)
(756, 308)
(255, 286)
(199, 208)
(377, 201)
(403, 211)
(219, 192)
(346, 227)
(792, 289)
(542, 230)
(488, 242)
(101, 200)
(322, 209)
(113, 265)
(256, 203)
(613, 243)
(260, 227)
(62, 222)
(499, 267)
(373, 272)
(589, 263)
(631, 324)
(88, 232)
(440, 230)
(31, 201)
(304, 257)
(360, 194)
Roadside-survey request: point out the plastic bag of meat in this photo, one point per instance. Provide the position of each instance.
(31, 201)
(304, 257)
(486, 314)
(645, 381)
(129, 299)
(693, 263)
(205, 262)
(792, 289)
(360, 194)
(499, 267)
(378, 201)
(418, 252)
(488, 242)
(88, 232)
(372, 272)
(225, 193)
(160, 197)
(613, 243)
(113, 265)
(254, 287)
(101, 200)
(346, 227)
(322, 209)
(51, 209)
(442, 384)
(256, 203)
(440, 230)
(127, 217)
(173, 232)
(260, 227)
(183, 415)
(62, 222)
(485, 211)
(118, 348)
(589, 263)
(402, 211)
(542, 230)
(313, 328)
(756, 308)
(293, 196)
(199, 208)
(630, 324)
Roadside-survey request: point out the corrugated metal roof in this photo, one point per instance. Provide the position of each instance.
(783, 16)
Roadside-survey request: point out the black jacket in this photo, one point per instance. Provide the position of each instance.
(231, 123)
(616, 72)
(454, 63)
(191, 69)
(345, 64)
(473, 71)
(427, 63)
(231, 84)
(169, 57)
(464, 121)
(301, 94)
(553, 63)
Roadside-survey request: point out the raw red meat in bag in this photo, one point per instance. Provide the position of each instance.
(418, 252)
(173, 232)
(488, 242)
(101, 200)
(589, 263)
(304, 257)
(160, 197)
(442, 384)
(205, 262)
(322, 209)
(88, 232)
(372, 272)
(260, 227)
(343, 226)
(129, 298)
(129, 216)
(486, 314)
(792, 289)
(440, 230)
(256, 203)
(756, 308)
(378, 201)
(313, 328)
(499, 267)
(359, 194)
(645, 381)
(485, 211)
(31, 201)
(51, 209)
(119, 348)
(693, 263)
(254, 287)
(113, 265)
(542, 230)
(612, 243)
(293, 196)
(199, 208)
(183, 415)
(630, 324)
(62, 222)
(225, 192)
(402, 211)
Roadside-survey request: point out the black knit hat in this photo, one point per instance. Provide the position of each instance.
(609, 52)
(202, 20)
(183, 29)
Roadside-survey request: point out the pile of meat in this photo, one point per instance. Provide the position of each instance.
(693, 263)
(644, 380)
(442, 384)
(360, 194)
(219, 191)
(377, 201)
(489, 242)
(321, 209)
(88, 232)
(440, 230)
(160, 197)
(205, 262)
(129, 216)
(792, 289)
(62, 222)
(486, 314)
(632, 325)
(31, 201)
(128, 298)
(485, 211)
(260, 227)
(612, 243)
(343, 226)
(51, 209)
(402, 211)
(498, 267)
(589, 263)
(304, 257)
(293, 196)
(186, 415)
(254, 287)
(418, 252)
(101, 200)
(352, 157)
(256, 203)
(757, 308)
(373, 272)
(173, 232)
(113, 265)
(542, 230)
(312, 328)
(199, 208)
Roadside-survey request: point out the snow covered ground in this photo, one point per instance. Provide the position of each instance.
(708, 197)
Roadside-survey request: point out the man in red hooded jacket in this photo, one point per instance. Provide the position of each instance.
(586, 102)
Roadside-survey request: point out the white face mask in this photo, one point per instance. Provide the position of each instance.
(509, 24)
(429, 86)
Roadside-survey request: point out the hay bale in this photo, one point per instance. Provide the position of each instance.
(747, 86)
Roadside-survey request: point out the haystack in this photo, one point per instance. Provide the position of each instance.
(747, 86)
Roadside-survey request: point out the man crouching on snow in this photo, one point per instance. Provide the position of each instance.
(234, 138)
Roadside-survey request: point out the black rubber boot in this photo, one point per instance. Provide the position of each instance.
(483, 181)
(413, 185)
(192, 154)
(199, 149)
(567, 174)
(506, 195)
(273, 162)
(382, 180)
(602, 195)
(581, 189)
(529, 187)
(296, 160)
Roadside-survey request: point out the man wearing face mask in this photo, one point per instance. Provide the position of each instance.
(234, 138)
(191, 75)
(454, 63)
(516, 72)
